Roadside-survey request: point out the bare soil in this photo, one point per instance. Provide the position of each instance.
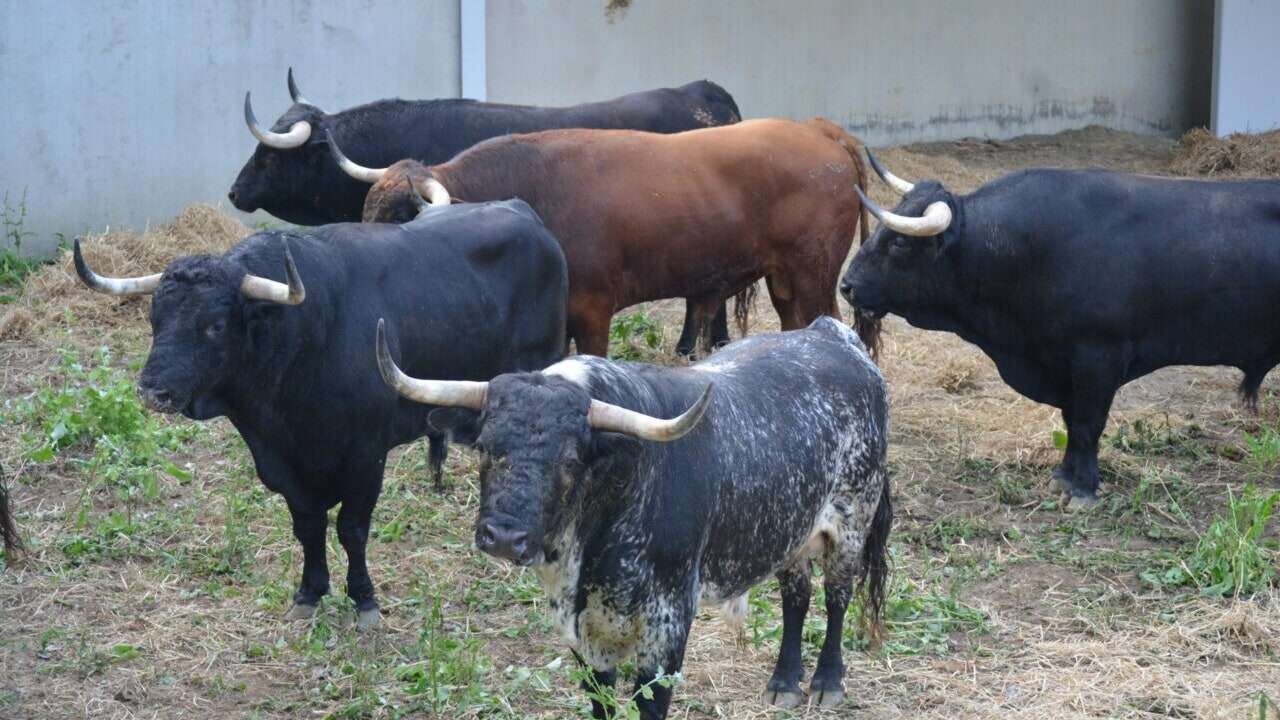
(1021, 609)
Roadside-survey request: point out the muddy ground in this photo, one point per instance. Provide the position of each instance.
(158, 574)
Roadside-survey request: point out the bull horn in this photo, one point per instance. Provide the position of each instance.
(260, 288)
(447, 393)
(902, 187)
(295, 95)
(611, 418)
(359, 172)
(936, 218)
(296, 136)
(436, 196)
(144, 285)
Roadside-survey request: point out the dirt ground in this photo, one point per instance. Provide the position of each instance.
(164, 598)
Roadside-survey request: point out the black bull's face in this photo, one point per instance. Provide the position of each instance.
(197, 326)
(898, 273)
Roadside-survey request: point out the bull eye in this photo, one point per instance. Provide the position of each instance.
(215, 329)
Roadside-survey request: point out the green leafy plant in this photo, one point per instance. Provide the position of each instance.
(1233, 557)
(634, 336)
(1263, 449)
(621, 707)
(14, 267)
(451, 672)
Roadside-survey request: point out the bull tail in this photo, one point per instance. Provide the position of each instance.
(867, 326)
(8, 530)
(875, 567)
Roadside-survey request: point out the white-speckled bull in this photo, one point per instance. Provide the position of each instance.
(775, 457)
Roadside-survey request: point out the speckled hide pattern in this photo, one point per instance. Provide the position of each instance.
(628, 537)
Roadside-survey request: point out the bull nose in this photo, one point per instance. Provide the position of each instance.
(232, 197)
(155, 398)
(503, 542)
(846, 289)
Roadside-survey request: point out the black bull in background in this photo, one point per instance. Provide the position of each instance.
(775, 456)
(292, 176)
(1075, 282)
(471, 291)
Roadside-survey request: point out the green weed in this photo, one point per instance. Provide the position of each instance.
(450, 674)
(1148, 437)
(1263, 449)
(634, 336)
(1232, 557)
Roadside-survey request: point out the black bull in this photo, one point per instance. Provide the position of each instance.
(302, 185)
(471, 291)
(1076, 282)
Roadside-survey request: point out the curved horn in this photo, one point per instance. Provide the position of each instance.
(296, 136)
(936, 218)
(260, 288)
(447, 393)
(902, 187)
(436, 195)
(603, 416)
(295, 95)
(144, 285)
(359, 172)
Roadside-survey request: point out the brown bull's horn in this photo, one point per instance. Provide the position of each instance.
(296, 136)
(144, 285)
(260, 288)
(436, 194)
(603, 416)
(447, 393)
(359, 172)
(936, 218)
(295, 95)
(898, 184)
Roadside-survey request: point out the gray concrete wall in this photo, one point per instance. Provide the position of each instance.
(891, 71)
(1246, 67)
(121, 112)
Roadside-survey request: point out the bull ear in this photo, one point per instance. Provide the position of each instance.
(259, 321)
(460, 424)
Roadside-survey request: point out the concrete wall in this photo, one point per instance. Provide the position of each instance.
(891, 71)
(1246, 97)
(121, 112)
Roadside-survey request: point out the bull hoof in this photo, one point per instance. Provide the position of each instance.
(1082, 502)
(784, 699)
(367, 620)
(300, 612)
(1061, 482)
(828, 698)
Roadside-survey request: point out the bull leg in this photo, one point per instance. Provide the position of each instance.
(1093, 387)
(691, 331)
(592, 334)
(827, 687)
(720, 327)
(353, 533)
(783, 298)
(667, 634)
(783, 689)
(309, 526)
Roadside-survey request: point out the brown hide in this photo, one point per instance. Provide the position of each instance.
(642, 216)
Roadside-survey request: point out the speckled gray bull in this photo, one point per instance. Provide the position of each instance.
(775, 457)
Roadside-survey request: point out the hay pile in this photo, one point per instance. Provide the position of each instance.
(1201, 154)
(55, 295)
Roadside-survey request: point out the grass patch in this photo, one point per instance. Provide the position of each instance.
(1232, 557)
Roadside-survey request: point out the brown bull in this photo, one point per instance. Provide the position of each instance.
(701, 214)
